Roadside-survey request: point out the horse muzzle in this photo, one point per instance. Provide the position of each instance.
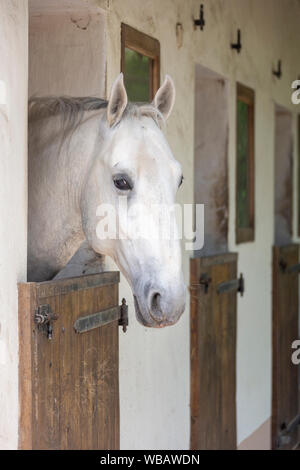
(158, 308)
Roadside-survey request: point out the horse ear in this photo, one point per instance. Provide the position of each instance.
(165, 97)
(117, 101)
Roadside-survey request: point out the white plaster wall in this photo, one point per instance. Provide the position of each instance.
(67, 48)
(13, 203)
(154, 365)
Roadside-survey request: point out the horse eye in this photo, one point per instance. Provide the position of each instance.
(181, 181)
(121, 183)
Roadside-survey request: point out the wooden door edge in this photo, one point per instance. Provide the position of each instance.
(26, 305)
(276, 256)
(210, 260)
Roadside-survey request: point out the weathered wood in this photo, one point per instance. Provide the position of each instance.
(285, 402)
(213, 354)
(96, 320)
(298, 165)
(27, 304)
(69, 390)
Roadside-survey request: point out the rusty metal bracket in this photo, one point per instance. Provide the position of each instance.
(234, 284)
(96, 320)
(102, 318)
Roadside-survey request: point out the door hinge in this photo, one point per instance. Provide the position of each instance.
(102, 318)
(123, 320)
(285, 269)
(237, 285)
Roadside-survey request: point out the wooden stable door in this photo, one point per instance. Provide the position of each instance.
(285, 405)
(214, 286)
(69, 386)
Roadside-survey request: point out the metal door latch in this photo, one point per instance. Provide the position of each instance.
(234, 284)
(205, 281)
(285, 269)
(44, 317)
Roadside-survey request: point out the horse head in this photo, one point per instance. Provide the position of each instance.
(135, 177)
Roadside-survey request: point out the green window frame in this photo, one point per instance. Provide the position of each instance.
(140, 64)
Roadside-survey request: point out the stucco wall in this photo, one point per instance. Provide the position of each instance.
(13, 204)
(154, 370)
(154, 365)
(67, 49)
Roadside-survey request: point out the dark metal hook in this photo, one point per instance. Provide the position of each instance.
(237, 45)
(278, 72)
(200, 21)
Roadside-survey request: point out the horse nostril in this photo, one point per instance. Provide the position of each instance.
(155, 301)
(155, 311)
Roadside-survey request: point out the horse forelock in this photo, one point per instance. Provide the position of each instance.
(141, 110)
(72, 109)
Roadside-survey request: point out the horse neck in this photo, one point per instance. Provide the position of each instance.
(57, 172)
(78, 154)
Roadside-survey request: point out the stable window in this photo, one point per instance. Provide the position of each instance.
(245, 165)
(140, 63)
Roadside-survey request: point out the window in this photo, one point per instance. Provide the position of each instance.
(245, 165)
(140, 63)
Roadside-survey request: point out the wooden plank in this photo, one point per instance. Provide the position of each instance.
(70, 394)
(46, 383)
(213, 355)
(298, 168)
(218, 259)
(285, 404)
(27, 304)
(140, 42)
(51, 288)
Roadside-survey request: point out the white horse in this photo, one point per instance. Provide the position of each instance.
(84, 152)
